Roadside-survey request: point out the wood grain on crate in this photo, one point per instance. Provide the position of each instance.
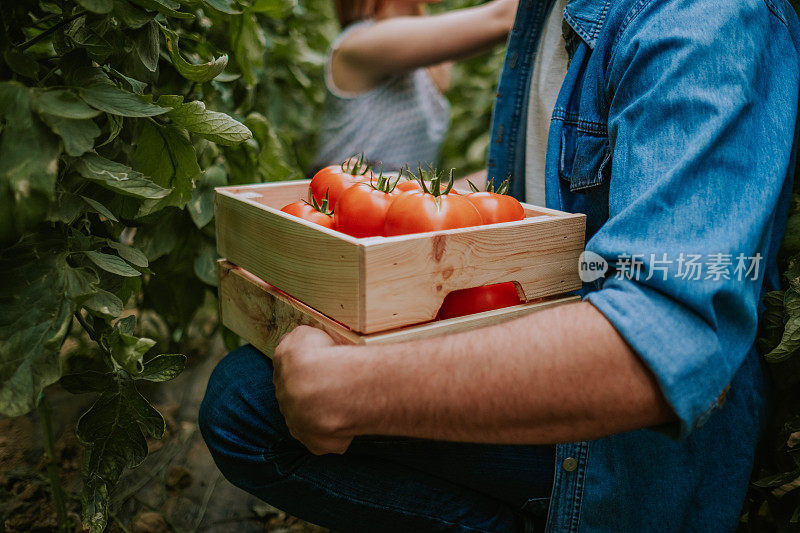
(262, 314)
(414, 275)
(302, 258)
(381, 283)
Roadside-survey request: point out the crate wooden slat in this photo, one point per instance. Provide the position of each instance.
(262, 314)
(382, 283)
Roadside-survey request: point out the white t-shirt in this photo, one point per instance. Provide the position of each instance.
(549, 71)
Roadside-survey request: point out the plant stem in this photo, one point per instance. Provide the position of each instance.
(86, 326)
(52, 466)
(49, 31)
(92, 335)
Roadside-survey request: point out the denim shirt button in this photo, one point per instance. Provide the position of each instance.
(569, 464)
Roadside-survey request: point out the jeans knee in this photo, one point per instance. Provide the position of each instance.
(241, 424)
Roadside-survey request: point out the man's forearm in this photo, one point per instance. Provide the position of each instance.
(561, 374)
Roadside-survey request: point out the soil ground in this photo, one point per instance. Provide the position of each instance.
(178, 488)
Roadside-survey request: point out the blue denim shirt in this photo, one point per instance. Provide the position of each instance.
(674, 133)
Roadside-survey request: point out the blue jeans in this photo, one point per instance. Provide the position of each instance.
(380, 484)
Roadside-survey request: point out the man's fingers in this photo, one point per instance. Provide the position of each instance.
(322, 447)
(300, 338)
(313, 336)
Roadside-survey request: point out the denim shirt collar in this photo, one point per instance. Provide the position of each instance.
(586, 17)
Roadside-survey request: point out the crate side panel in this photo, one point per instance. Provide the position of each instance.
(406, 281)
(251, 309)
(312, 266)
(261, 315)
(275, 195)
(464, 323)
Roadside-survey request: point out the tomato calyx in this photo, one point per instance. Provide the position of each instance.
(356, 165)
(431, 180)
(321, 207)
(501, 189)
(384, 184)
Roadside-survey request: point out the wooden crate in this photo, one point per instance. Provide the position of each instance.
(262, 314)
(380, 283)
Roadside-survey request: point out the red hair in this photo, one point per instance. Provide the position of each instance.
(350, 11)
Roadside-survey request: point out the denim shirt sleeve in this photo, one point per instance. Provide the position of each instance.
(701, 138)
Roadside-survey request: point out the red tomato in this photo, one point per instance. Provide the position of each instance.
(308, 212)
(418, 211)
(478, 300)
(333, 181)
(413, 185)
(361, 211)
(495, 207)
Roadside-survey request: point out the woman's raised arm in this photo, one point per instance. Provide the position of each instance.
(401, 44)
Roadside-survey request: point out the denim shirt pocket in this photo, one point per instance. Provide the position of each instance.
(584, 159)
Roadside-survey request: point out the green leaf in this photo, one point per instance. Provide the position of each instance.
(77, 135)
(274, 157)
(163, 367)
(89, 381)
(37, 300)
(118, 177)
(97, 6)
(114, 128)
(201, 207)
(205, 264)
(128, 351)
(777, 480)
(217, 127)
(199, 73)
(66, 208)
(104, 303)
(131, 16)
(135, 85)
(132, 255)
(249, 46)
(161, 237)
(28, 164)
(126, 325)
(790, 341)
(273, 8)
(95, 502)
(224, 6)
(147, 45)
(111, 99)
(791, 239)
(112, 263)
(21, 63)
(100, 208)
(112, 430)
(178, 297)
(165, 7)
(167, 155)
(772, 321)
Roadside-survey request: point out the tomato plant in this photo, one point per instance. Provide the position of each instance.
(362, 208)
(430, 209)
(117, 120)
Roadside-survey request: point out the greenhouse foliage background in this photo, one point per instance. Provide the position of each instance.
(117, 120)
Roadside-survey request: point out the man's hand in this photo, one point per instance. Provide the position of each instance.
(308, 388)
